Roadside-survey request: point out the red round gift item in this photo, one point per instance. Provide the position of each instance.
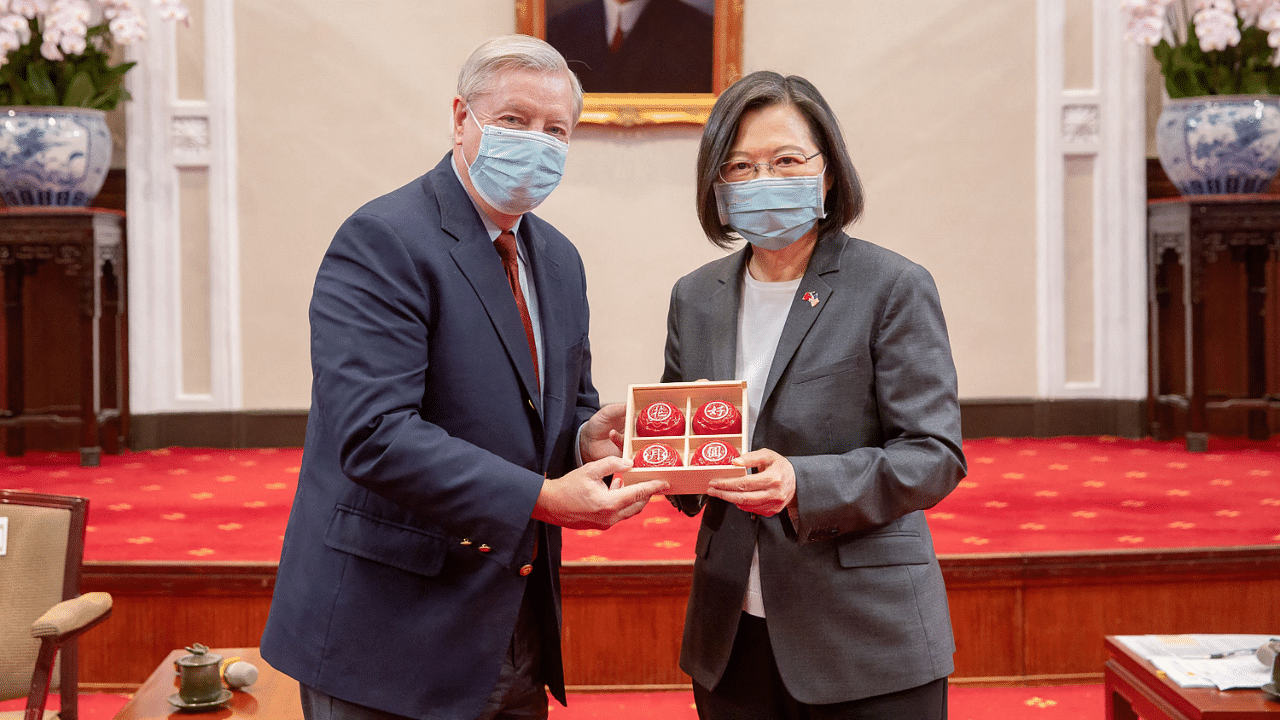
(660, 419)
(717, 418)
(716, 452)
(657, 455)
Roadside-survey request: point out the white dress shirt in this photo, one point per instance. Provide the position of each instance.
(627, 13)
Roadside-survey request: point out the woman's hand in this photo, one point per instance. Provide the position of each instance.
(767, 492)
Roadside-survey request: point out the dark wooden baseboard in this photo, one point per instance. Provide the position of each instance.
(228, 430)
(1031, 417)
(1013, 417)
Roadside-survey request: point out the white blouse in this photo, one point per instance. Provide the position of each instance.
(761, 317)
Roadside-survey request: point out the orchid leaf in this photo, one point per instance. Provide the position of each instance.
(1253, 83)
(109, 99)
(1246, 67)
(41, 87)
(80, 91)
(117, 72)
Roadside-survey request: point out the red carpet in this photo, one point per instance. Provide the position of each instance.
(93, 706)
(1025, 495)
(1067, 702)
(1072, 494)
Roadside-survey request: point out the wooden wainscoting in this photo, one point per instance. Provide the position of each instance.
(160, 607)
(1036, 618)
(1042, 617)
(622, 624)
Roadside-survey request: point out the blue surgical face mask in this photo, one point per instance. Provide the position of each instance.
(515, 170)
(772, 212)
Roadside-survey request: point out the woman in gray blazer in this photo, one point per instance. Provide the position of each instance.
(816, 591)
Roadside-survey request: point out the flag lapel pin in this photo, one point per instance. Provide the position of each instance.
(811, 299)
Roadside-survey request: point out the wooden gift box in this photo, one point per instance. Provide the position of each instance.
(686, 397)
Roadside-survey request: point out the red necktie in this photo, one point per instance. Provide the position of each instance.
(616, 43)
(506, 245)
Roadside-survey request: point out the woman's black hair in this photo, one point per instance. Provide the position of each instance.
(761, 89)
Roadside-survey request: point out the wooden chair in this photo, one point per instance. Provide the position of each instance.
(41, 609)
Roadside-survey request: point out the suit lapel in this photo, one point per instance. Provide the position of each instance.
(722, 340)
(596, 47)
(479, 262)
(811, 299)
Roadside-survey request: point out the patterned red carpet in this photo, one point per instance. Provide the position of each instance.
(1068, 702)
(1025, 495)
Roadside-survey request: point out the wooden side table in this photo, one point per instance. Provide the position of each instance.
(273, 697)
(1134, 689)
(87, 243)
(1198, 232)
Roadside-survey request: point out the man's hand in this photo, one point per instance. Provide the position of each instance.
(767, 492)
(601, 436)
(580, 500)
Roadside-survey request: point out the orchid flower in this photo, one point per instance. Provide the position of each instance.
(76, 36)
(1200, 43)
(1216, 25)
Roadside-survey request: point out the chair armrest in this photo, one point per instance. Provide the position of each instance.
(71, 617)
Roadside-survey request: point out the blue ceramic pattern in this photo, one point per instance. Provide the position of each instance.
(53, 155)
(1220, 144)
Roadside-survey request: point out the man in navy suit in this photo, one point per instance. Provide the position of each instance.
(454, 428)
(636, 46)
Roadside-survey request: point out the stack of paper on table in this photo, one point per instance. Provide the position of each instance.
(1197, 660)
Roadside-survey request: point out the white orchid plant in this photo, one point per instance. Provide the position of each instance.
(1211, 47)
(59, 52)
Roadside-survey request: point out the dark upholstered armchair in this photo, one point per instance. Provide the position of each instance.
(41, 609)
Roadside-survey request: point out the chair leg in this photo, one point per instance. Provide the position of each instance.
(70, 681)
(40, 680)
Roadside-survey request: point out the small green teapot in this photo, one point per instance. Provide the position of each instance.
(201, 681)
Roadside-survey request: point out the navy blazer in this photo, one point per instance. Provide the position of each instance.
(669, 50)
(861, 398)
(400, 578)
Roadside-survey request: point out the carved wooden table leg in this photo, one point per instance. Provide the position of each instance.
(90, 447)
(15, 437)
(1256, 334)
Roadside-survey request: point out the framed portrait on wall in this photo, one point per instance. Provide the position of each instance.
(642, 62)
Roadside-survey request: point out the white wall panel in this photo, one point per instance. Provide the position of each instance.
(180, 129)
(1101, 127)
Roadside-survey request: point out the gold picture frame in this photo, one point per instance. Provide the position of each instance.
(638, 109)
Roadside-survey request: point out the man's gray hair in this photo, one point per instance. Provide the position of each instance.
(508, 52)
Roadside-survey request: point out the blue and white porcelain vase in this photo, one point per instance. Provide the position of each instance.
(53, 155)
(1219, 144)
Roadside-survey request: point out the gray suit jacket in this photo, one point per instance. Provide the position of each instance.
(861, 398)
